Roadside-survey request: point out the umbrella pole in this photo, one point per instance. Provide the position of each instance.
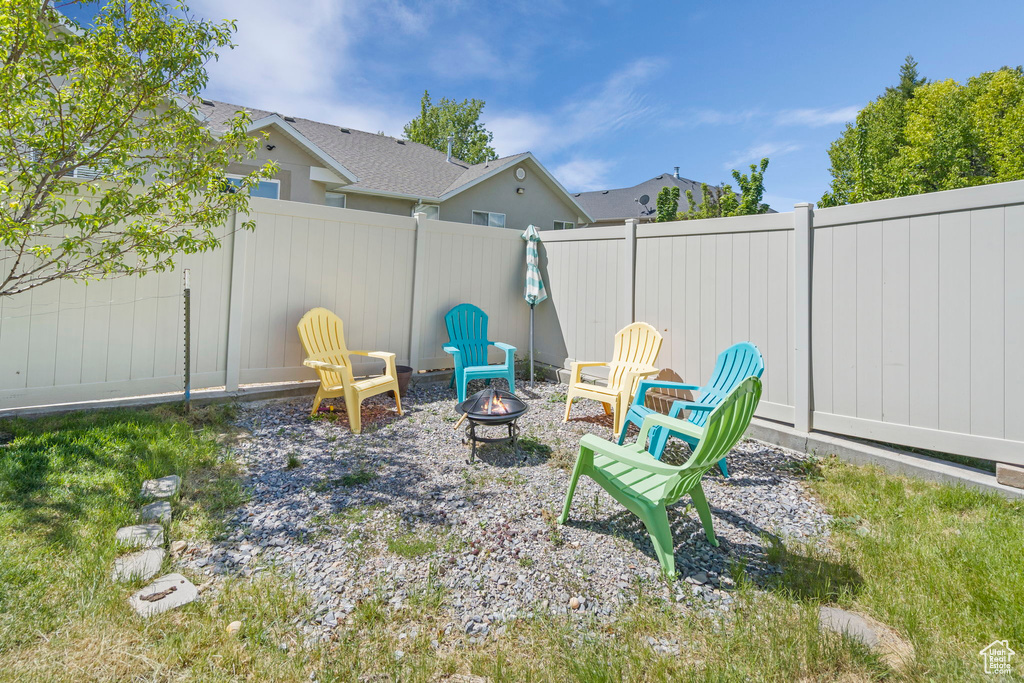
(531, 345)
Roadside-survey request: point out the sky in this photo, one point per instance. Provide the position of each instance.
(608, 94)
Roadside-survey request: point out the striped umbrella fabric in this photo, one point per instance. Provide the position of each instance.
(534, 291)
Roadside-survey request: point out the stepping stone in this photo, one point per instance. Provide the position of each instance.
(141, 535)
(164, 487)
(159, 512)
(166, 593)
(896, 651)
(142, 564)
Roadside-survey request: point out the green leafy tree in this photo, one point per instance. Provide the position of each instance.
(105, 166)
(718, 202)
(926, 137)
(668, 204)
(436, 122)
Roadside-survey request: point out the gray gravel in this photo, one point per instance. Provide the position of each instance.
(388, 512)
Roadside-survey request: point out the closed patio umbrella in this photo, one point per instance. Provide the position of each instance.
(534, 291)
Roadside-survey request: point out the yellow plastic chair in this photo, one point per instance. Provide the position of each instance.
(636, 350)
(323, 337)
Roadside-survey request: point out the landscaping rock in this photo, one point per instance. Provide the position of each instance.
(896, 651)
(178, 547)
(141, 536)
(396, 508)
(166, 593)
(164, 487)
(140, 565)
(159, 512)
(234, 627)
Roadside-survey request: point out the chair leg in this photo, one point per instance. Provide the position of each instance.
(568, 405)
(659, 439)
(704, 512)
(398, 402)
(461, 388)
(512, 382)
(577, 470)
(625, 428)
(607, 408)
(316, 401)
(451, 382)
(656, 521)
(353, 406)
(724, 468)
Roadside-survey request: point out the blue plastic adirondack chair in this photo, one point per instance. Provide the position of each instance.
(467, 334)
(734, 365)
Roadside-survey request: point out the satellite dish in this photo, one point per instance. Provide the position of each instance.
(644, 199)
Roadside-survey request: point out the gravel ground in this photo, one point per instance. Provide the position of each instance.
(387, 512)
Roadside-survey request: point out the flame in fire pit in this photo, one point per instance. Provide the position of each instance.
(495, 406)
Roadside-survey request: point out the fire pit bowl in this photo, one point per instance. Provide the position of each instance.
(491, 408)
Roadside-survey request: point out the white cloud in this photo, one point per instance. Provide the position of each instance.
(754, 154)
(581, 175)
(714, 117)
(288, 61)
(617, 102)
(816, 117)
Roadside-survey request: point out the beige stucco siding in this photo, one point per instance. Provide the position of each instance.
(540, 204)
(294, 163)
(369, 202)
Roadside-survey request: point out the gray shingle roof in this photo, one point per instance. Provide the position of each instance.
(382, 163)
(621, 204)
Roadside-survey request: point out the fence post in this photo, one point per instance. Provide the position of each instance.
(803, 216)
(236, 303)
(629, 260)
(419, 273)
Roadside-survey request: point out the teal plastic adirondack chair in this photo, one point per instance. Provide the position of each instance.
(734, 365)
(646, 486)
(468, 344)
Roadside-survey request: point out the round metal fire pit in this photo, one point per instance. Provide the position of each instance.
(492, 408)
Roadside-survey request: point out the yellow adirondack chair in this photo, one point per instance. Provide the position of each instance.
(636, 350)
(323, 337)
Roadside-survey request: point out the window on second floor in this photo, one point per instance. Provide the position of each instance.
(564, 225)
(271, 189)
(336, 199)
(494, 220)
(433, 211)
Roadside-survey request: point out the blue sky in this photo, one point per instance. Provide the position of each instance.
(608, 94)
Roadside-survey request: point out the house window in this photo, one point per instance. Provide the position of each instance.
(271, 189)
(433, 211)
(564, 225)
(494, 220)
(336, 199)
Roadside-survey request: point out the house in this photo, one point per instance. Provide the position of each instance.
(613, 207)
(321, 163)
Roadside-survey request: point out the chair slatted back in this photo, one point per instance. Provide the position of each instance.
(636, 347)
(467, 331)
(323, 338)
(724, 428)
(734, 365)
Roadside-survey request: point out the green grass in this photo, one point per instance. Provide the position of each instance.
(940, 565)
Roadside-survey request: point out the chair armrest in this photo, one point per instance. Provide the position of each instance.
(641, 461)
(631, 377)
(575, 372)
(659, 420)
(503, 346)
(321, 365)
(451, 349)
(510, 352)
(645, 384)
(679, 406)
(383, 355)
(389, 362)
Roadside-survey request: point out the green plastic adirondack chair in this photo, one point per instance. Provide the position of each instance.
(646, 486)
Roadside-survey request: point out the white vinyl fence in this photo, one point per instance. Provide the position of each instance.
(900, 321)
(390, 278)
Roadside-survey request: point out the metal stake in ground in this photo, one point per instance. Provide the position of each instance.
(188, 341)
